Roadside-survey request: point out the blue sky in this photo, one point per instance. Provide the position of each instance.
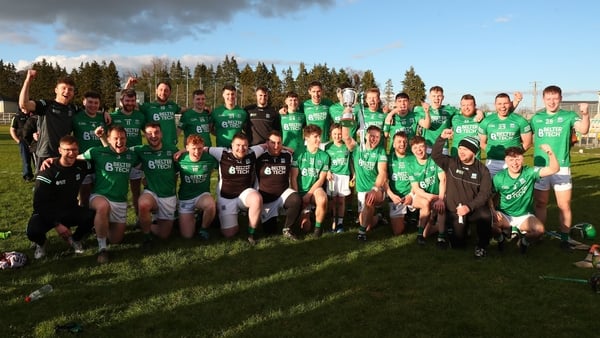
(478, 47)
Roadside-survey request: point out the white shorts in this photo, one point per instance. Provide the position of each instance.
(89, 179)
(397, 210)
(118, 210)
(166, 206)
(136, 174)
(189, 206)
(229, 208)
(516, 221)
(361, 199)
(340, 185)
(495, 166)
(271, 209)
(561, 181)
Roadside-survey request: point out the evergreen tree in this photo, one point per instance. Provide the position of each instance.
(388, 95)
(414, 87)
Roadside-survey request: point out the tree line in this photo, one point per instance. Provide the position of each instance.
(104, 78)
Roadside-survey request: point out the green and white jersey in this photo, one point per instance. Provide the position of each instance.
(83, 130)
(407, 124)
(227, 123)
(292, 127)
(340, 158)
(195, 176)
(440, 119)
(112, 171)
(426, 175)
(318, 114)
(365, 166)
(554, 130)
(399, 170)
(133, 124)
(375, 118)
(164, 114)
(516, 194)
(192, 122)
(158, 168)
(463, 126)
(336, 111)
(502, 133)
(310, 166)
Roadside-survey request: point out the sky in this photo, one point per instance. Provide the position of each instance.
(481, 47)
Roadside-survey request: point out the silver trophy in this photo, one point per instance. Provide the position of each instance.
(349, 96)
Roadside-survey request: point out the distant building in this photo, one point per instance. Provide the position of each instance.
(8, 108)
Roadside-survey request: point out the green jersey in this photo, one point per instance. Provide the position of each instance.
(340, 158)
(399, 170)
(193, 122)
(427, 175)
(336, 111)
(310, 166)
(440, 120)
(554, 130)
(83, 129)
(375, 118)
(112, 171)
(133, 124)
(164, 114)
(463, 126)
(158, 168)
(195, 176)
(318, 114)
(292, 125)
(502, 133)
(407, 123)
(227, 123)
(516, 194)
(366, 166)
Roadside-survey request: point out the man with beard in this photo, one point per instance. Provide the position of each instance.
(109, 196)
(262, 118)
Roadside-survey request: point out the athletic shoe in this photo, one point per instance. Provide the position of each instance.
(362, 237)
(251, 240)
(40, 252)
(441, 244)
(102, 256)
(77, 247)
(287, 233)
(420, 240)
(339, 229)
(318, 232)
(204, 235)
(523, 245)
(480, 252)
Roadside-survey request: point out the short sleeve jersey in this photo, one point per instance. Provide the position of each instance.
(318, 114)
(339, 156)
(516, 194)
(292, 125)
(463, 126)
(366, 166)
(112, 171)
(83, 129)
(55, 121)
(554, 130)
(227, 123)
(407, 123)
(336, 111)
(273, 173)
(441, 119)
(133, 124)
(399, 170)
(236, 175)
(193, 122)
(164, 114)
(310, 166)
(426, 175)
(502, 133)
(158, 168)
(194, 176)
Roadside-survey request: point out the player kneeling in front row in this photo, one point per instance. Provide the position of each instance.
(195, 168)
(514, 187)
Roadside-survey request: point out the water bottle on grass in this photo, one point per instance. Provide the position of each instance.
(39, 293)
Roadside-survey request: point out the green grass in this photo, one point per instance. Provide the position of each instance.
(332, 286)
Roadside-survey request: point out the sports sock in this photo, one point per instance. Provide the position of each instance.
(101, 243)
(362, 229)
(317, 224)
(251, 231)
(420, 230)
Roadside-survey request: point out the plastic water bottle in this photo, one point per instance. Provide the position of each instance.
(39, 293)
(460, 218)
